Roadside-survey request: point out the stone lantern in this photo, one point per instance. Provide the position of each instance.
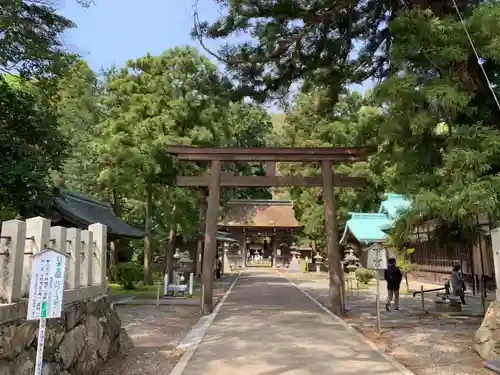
(184, 264)
(294, 263)
(351, 262)
(318, 259)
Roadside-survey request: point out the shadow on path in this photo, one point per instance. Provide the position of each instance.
(269, 327)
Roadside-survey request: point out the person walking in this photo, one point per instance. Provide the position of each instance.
(393, 277)
(218, 267)
(458, 284)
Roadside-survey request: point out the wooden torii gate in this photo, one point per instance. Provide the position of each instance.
(214, 180)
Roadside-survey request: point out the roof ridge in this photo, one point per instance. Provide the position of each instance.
(86, 199)
(359, 215)
(261, 201)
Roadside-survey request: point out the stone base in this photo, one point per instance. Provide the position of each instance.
(447, 305)
(487, 337)
(87, 335)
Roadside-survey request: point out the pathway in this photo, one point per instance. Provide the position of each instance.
(267, 326)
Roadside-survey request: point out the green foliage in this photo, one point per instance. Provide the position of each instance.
(129, 275)
(312, 124)
(364, 275)
(30, 41)
(439, 137)
(31, 146)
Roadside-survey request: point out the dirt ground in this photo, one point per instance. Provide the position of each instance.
(426, 344)
(155, 333)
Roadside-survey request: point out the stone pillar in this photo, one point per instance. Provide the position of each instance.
(100, 248)
(275, 251)
(487, 337)
(243, 247)
(495, 244)
(13, 237)
(87, 240)
(225, 263)
(74, 241)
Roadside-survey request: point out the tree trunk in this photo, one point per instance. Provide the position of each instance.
(116, 244)
(169, 246)
(407, 284)
(148, 239)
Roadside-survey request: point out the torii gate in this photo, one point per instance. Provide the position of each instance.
(214, 180)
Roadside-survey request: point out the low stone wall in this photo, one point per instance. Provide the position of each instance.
(87, 335)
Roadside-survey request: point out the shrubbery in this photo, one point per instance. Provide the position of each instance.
(364, 275)
(129, 275)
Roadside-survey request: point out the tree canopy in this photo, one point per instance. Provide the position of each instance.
(431, 113)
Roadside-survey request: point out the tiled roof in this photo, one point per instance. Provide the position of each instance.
(394, 205)
(260, 213)
(366, 227)
(369, 227)
(82, 211)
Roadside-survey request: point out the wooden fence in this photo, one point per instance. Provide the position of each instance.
(85, 275)
(435, 260)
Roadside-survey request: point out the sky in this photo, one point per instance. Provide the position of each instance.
(113, 31)
(110, 32)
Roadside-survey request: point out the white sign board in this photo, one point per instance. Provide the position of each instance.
(376, 258)
(46, 285)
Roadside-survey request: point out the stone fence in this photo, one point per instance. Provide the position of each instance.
(85, 275)
(89, 331)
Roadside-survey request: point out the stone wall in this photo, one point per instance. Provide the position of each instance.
(87, 335)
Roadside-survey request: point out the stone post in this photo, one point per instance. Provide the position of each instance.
(37, 239)
(487, 337)
(100, 235)
(226, 264)
(495, 244)
(13, 238)
(243, 247)
(87, 241)
(74, 240)
(275, 250)
(58, 242)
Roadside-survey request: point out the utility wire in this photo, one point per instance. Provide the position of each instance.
(480, 61)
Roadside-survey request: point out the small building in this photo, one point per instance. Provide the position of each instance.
(77, 210)
(264, 230)
(434, 260)
(364, 229)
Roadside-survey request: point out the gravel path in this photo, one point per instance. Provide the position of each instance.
(155, 333)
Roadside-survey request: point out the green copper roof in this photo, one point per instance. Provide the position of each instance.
(394, 205)
(366, 227)
(369, 227)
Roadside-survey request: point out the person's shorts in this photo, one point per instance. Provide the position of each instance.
(392, 287)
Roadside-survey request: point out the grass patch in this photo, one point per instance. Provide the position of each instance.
(146, 291)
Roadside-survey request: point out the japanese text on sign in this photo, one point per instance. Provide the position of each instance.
(46, 285)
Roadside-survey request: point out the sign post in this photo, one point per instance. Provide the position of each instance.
(377, 260)
(46, 294)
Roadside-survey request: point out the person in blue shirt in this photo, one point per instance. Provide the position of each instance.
(393, 277)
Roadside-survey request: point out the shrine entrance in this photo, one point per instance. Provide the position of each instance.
(264, 229)
(325, 156)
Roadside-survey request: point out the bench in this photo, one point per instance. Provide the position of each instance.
(175, 290)
(492, 366)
